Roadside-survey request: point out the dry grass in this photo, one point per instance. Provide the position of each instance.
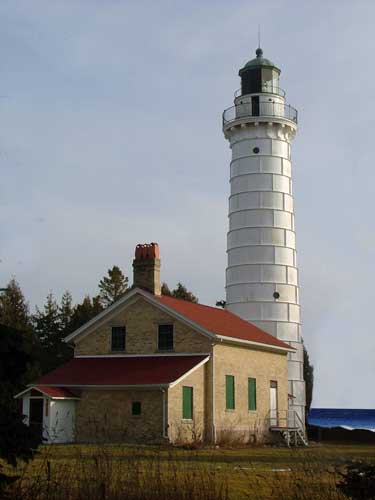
(114, 472)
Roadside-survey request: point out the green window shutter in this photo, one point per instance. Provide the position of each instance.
(187, 402)
(252, 384)
(229, 392)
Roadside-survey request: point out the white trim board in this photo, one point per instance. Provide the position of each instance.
(137, 293)
(125, 301)
(198, 365)
(111, 386)
(166, 385)
(35, 388)
(259, 345)
(153, 355)
(106, 314)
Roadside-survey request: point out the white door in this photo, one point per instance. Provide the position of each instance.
(273, 404)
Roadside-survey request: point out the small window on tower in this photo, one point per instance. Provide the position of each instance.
(256, 150)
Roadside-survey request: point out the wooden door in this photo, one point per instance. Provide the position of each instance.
(36, 416)
(273, 404)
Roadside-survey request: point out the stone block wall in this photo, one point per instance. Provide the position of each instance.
(242, 424)
(180, 430)
(106, 416)
(141, 320)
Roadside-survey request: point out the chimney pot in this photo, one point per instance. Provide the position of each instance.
(146, 267)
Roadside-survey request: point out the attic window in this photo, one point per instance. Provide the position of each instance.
(118, 338)
(165, 338)
(136, 408)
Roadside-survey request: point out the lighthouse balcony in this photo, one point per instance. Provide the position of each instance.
(256, 110)
(266, 87)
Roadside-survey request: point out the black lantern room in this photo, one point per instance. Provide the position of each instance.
(259, 75)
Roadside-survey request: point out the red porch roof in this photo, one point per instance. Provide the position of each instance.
(220, 321)
(55, 392)
(52, 392)
(121, 371)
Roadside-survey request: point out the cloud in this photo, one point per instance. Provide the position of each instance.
(111, 136)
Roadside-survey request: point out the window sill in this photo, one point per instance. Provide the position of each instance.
(252, 411)
(161, 351)
(230, 410)
(187, 420)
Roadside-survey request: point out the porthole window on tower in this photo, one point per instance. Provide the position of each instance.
(256, 150)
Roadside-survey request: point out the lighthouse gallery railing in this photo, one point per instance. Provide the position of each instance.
(261, 109)
(267, 88)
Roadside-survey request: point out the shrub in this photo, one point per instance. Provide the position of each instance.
(17, 441)
(105, 475)
(358, 481)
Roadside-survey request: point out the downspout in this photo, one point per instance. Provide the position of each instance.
(213, 396)
(165, 432)
(26, 409)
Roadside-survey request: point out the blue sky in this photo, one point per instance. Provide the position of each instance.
(110, 135)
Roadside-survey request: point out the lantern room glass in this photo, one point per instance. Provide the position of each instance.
(270, 80)
(260, 79)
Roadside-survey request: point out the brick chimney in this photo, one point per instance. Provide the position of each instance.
(146, 268)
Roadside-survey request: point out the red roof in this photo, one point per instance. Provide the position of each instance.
(220, 321)
(134, 370)
(55, 392)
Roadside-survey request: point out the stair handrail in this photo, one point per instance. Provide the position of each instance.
(302, 426)
(290, 417)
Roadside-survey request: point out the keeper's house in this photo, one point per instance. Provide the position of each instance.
(152, 368)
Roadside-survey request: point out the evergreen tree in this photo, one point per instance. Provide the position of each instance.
(66, 313)
(84, 312)
(308, 375)
(19, 361)
(48, 327)
(14, 310)
(180, 292)
(165, 290)
(47, 322)
(17, 368)
(113, 286)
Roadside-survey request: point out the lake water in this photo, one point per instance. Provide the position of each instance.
(348, 419)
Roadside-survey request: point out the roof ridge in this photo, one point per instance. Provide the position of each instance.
(259, 335)
(215, 308)
(218, 309)
(211, 321)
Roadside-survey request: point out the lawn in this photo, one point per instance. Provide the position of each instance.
(142, 472)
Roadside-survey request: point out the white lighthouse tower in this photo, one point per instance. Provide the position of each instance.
(262, 274)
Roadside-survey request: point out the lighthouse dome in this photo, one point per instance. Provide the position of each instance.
(260, 75)
(259, 60)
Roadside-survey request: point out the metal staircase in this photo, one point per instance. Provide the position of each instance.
(288, 424)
